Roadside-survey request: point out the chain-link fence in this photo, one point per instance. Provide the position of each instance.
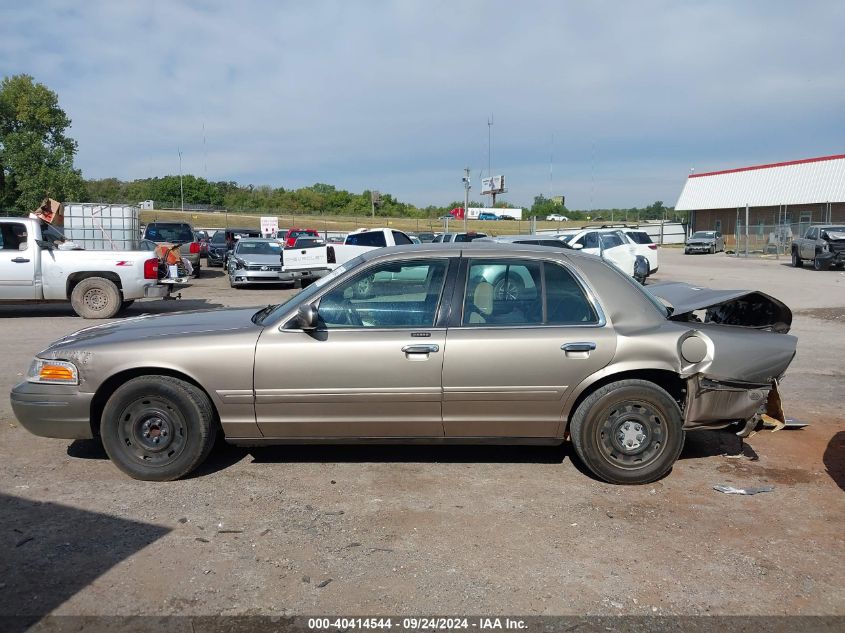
(765, 239)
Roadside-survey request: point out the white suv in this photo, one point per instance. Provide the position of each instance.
(610, 244)
(645, 247)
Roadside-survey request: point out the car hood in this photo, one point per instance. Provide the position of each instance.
(156, 326)
(749, 308)
(260, 260)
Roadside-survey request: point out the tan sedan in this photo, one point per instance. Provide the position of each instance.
(486, 343)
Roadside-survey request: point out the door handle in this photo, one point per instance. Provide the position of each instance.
(20, 260)
(578, 347)
(421, 349)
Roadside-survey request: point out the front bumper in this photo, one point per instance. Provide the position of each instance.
(244, 276)
(293, 275)
(53, 410)
(698, 248)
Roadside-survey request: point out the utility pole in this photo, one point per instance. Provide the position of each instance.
(467, 187)
(181, 189)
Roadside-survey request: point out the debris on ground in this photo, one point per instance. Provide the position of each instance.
(731, 490)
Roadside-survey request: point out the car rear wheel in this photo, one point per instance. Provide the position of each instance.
(797, 262)
(197, 270)
(158, 428)
(628, 432)
(95, 298)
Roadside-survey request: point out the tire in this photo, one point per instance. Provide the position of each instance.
(197, 270)
(95, 298)
(797, 262)
(713, 249)
(623, 412)
(158, 428)
(508, 289)
(819, 264)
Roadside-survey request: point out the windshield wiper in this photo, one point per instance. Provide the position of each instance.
(262, 313)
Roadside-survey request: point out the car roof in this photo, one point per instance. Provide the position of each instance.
(258, 239)
(475, 248)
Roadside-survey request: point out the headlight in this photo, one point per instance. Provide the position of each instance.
(56, 372)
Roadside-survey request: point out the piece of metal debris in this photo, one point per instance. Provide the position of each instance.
(324, 583)
(731, 490)
(230, 531)
(792, 423)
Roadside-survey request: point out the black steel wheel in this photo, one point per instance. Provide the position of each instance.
(628, 432)
(158, 428)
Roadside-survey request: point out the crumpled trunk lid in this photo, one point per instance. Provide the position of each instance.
(746, 308)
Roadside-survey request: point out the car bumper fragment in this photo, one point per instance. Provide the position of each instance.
(53, 410)
(715, 403)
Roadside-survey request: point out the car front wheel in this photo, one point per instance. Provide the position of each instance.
(820, 264)
(628, 432)
(158, 428)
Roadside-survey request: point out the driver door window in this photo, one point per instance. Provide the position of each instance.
(389, 295)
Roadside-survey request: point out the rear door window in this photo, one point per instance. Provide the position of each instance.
(512, 292)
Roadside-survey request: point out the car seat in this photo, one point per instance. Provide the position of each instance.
(482, 302)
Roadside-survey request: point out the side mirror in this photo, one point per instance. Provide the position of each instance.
(45, 245)
(307, 317)
(577, 247)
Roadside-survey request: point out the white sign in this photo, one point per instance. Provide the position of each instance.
(269, 226)
(496, 184)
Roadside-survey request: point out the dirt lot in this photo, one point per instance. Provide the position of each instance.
(446, 530)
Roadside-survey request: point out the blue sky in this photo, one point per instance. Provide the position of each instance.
(396, 95)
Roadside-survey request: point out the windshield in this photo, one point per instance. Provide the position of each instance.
(306, 294)
(219, 237)
(169, 233)
(249, 247)
(834, 229)
(700, 234)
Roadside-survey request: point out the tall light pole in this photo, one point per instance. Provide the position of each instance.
(181, 189)
(467, 187)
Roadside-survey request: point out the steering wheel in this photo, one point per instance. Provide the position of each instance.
(351, 314)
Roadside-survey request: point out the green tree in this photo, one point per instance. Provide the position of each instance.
(36, 155)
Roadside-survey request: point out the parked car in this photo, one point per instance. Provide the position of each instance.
(223, 241)
(292, 234)
(823, 245)
(203, 238)
(254, 261)
(469, 236)
(555, 217)
(487, 216)
(363, 240)
(704, 242)
(609, 244)
(505, 216)
(180, 233)
(645, 246)
(426, 237)
(584, 353)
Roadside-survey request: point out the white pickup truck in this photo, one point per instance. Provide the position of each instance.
(364, 240)
(35, 266)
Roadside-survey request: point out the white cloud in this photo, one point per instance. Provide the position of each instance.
(397, 95)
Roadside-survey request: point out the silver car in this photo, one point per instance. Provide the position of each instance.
(255, 261)
(429, 352)
(705, 242)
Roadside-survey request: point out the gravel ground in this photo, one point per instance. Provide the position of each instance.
(448, 530)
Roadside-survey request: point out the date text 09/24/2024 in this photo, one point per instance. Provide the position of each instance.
(416, 624)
